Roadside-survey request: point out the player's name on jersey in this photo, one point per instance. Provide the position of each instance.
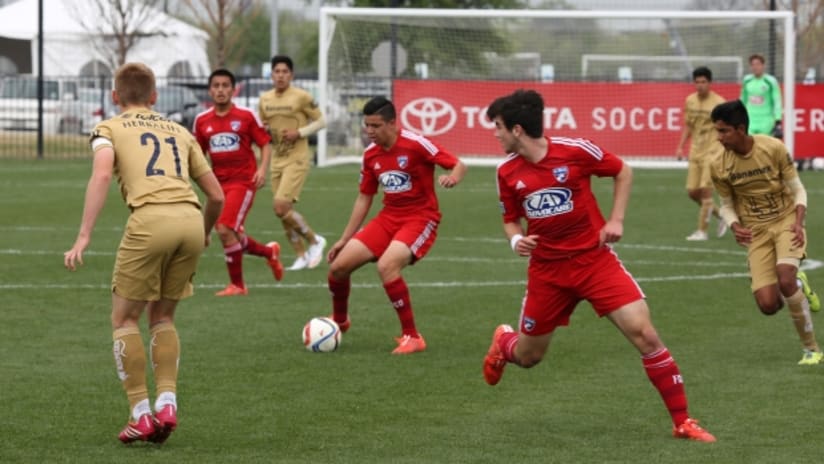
(153, 121)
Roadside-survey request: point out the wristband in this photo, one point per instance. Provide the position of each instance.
(513, 242)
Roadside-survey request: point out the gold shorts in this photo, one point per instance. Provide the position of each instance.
(771, 245)
(288, 174)
(158, 253)
(698, 173)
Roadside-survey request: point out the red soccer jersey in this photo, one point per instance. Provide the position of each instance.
(407, 173)
(228, 141)
(555, 196)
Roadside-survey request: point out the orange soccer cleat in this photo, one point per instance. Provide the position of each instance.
(692, 431)
(232, 290)
(408, 344)
(274, 261)
(494, 361)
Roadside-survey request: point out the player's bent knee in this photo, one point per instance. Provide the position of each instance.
(769, 310)
(529, 358)
(338, 271)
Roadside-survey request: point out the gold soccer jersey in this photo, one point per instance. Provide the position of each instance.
(154, 158)
(698, 121)
(292, 109)
(757, 182)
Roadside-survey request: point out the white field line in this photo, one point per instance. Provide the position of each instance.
(808, 264)
(444, 259)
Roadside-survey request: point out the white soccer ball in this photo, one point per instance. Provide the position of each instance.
(321, 334)
(817, 163)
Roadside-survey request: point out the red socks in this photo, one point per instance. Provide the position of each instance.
(507, 343)
(340, 298)
(256, 248)
(234, 257)
(234, 262)
(664, 374)
(398, 294)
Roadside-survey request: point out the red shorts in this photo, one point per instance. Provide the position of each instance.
(555, 287)
(418, 233)
(236, 205)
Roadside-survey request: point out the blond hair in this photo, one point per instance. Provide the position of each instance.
(134, 84)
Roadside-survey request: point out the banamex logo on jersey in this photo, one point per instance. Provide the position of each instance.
(548, 202)
(429, 116)
(395, 181)
(223, 142)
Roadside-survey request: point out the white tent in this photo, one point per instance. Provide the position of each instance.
(72, 42)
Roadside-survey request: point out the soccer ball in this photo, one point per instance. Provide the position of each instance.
(321, 334)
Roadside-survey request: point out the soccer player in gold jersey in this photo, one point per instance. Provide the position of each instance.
(704, 145)
(764, 203)
(292, 116)
(154, 160)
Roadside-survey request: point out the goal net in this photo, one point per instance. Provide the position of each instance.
(618, 78)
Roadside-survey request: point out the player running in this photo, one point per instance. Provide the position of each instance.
(226, 132)
(765, 203)
(698, 129)
(292, 116)
(546, 181)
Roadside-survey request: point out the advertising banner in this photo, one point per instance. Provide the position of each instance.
(635, 119)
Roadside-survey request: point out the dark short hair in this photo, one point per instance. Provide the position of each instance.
(381, 106)
(756, 56)
(733, 113)
(222, 72)
(702, 71)
(522, 107)
(282, 59)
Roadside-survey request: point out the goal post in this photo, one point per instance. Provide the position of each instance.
(442, 67)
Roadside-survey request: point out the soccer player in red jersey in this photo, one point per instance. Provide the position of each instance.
(403, 163)
(546, 182)
(226, 132)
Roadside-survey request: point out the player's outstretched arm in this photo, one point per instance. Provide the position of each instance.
(96, 192)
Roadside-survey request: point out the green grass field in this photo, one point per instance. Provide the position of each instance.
(249, 392)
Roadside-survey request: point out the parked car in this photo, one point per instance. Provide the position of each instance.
(19, 106)
(80, 115)
(178, 103)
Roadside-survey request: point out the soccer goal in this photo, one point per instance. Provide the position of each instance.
(618, 78)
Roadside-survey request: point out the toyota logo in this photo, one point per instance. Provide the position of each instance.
(429, 116)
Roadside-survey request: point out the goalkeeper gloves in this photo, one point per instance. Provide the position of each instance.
(778, 130)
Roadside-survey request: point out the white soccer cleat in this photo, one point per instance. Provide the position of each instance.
(299, 264)
(315, 252)
(697, 236)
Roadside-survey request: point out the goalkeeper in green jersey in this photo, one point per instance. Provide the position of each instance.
(761, 95)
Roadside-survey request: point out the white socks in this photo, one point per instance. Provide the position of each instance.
(140, 409)
(164, 399)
